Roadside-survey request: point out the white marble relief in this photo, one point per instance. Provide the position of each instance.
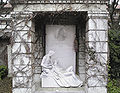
(59, 40)
(56, 76)
(60, 35)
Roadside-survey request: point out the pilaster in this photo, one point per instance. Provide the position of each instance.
(22, 51)
(97, 52)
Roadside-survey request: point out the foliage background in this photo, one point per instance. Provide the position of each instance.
(114, 47)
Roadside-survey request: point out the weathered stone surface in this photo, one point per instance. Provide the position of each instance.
(97, 40)
(82, 55)
(97, 69)
(97, 36)
(82, 76)
(59, 7)
(100, 57)
(3, 52)
(21, 90)
(22, 47)
(98, 24)
(95, 81)
(19, 70)
(21, 82)
(97, 90)
(22, 59)
(82, 62)
(23, 22)
(99, 46)
(23, 36)
(38, 69)
(61, 90)
(82, 69)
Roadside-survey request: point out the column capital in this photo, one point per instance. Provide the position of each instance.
(21, 14)
(97, 15)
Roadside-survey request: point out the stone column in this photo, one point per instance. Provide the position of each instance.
(22, 52)
(97, 52)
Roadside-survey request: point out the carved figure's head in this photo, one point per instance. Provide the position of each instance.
(51, 53)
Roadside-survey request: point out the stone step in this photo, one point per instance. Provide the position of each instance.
(61, 90)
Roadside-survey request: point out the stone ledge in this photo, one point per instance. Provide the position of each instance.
(61, 90)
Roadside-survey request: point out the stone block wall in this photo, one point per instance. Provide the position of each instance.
(38, 53)
(81, 59)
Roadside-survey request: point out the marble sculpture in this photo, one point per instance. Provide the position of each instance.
(63, 77)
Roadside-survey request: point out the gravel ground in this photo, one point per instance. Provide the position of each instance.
(6, 85)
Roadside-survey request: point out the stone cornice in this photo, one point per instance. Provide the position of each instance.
(58, 1)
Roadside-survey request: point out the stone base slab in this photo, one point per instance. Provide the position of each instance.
(61, 90)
